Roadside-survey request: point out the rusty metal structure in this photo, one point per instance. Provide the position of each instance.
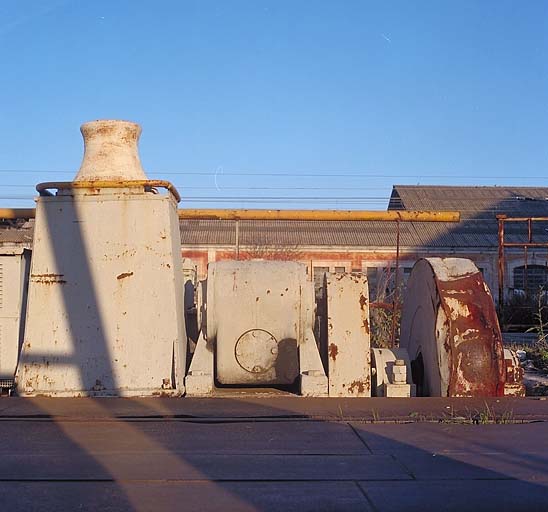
(451, 331)
(113, 310)
(530, 243)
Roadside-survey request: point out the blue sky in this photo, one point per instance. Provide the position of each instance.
(313, 103)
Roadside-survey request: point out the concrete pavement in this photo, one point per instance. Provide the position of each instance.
(271, 453)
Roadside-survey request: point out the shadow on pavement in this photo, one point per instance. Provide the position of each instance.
(214, 463)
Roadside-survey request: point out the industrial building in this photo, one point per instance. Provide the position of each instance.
(371, 246)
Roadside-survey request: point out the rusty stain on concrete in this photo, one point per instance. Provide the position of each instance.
(333, 351)
(358, 385)
(48, 278)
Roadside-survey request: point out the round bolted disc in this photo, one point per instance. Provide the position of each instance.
(256, 351)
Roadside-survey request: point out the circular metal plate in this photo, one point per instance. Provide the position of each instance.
(256, 351)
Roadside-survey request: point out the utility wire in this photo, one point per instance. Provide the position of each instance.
(311, 174)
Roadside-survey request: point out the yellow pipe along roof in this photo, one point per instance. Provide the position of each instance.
(319, 215)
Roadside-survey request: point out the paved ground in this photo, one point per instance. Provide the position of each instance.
(272, 453)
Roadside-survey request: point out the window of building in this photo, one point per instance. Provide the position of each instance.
(372, 282)
(340, 270)
(532, 279)
(406, 273)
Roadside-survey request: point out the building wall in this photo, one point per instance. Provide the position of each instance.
(373, 261)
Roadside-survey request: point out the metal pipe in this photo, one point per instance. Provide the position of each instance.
(525, 276)
(519, 244)
(43, 188)
(320, 215)
(520, 219)
(237, 239)
(501, 265)
(17, 213)
(395, 297)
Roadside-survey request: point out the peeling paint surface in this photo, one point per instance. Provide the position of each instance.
(348, 337)
(450, 328)
(474, 342)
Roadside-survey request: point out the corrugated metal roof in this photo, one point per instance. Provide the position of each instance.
(292, 233)
(17, 235)
(479, 207)
(472, 202)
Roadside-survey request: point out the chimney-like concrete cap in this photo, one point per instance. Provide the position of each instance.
(110, 152)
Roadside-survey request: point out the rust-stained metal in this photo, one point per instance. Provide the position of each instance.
(451, 330)
(44, 188)
(123, 275)
(333, 351)
(48, 278)
(395, 298)
(321, 215)
(474, 343)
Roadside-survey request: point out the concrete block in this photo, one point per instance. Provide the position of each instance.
(399, 390)
(200, 378)
(348, 344)
(313, 378)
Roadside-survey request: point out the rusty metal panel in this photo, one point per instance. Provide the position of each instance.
(451, 330)
(348, 335)
(257, 313)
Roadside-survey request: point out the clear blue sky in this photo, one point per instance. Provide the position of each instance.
(429, 92)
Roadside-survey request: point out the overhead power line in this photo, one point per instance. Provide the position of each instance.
(309, 174)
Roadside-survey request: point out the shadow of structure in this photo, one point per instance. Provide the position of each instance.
(88, 362)
(259, 455)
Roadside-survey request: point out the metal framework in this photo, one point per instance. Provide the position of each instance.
(524, 245)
